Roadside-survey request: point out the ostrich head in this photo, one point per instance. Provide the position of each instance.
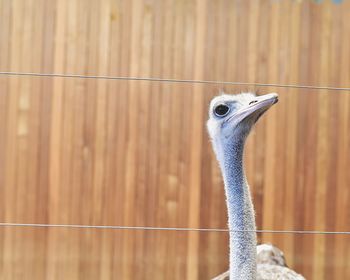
(231, 117)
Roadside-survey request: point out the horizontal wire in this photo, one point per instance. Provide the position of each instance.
(155, 79)
(168, 228)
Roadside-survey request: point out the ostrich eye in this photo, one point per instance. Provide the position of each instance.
(221, 110)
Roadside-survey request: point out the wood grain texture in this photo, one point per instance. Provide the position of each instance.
(103, 152)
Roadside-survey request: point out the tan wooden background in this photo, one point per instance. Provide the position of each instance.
(136, 153)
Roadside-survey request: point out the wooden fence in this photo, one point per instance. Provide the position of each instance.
(136, 153)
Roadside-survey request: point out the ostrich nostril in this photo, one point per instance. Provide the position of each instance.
(252, 102)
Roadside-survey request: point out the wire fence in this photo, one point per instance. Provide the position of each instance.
(156, 79)
(167, 80)
(72, 226)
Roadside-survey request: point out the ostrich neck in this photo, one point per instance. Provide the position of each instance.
(240, 213)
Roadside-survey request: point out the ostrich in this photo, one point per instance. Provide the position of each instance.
(231, 118)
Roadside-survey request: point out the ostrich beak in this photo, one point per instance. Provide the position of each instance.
(257, 107)
(261, 104)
